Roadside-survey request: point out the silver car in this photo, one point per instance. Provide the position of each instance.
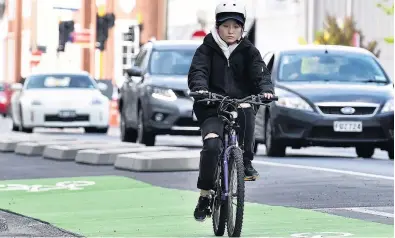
(154, 96)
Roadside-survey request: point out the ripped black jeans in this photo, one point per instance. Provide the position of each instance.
(213, 146)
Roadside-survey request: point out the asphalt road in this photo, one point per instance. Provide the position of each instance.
(325, 179)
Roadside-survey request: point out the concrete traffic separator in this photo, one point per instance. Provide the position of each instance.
(9, 145)
(108, 156)
(164, 161)
(37, 148)
(69, 152)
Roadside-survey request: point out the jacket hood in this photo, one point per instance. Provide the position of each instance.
(209, 41)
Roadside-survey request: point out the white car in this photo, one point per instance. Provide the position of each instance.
(60, 100)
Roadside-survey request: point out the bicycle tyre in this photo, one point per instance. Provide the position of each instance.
(219, 206)
(236, 168)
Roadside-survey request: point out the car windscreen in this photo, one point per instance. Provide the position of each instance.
(346, 67)
(171, 62)
(59, 82)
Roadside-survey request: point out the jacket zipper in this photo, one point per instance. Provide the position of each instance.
(228, 63)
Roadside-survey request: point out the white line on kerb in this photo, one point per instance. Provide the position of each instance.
(367, 211)
(325, 170)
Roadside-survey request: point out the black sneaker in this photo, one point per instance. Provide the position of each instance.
(250, 174)
(202, 209)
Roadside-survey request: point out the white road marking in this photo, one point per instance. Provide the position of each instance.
(346, 172)
(366, 210)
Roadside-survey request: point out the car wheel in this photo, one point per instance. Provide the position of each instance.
(143, 136)
(14, 127)
(21, 127)
(365, 151)
(256, 147)
(127, 134)
(390, 151)
(274, 148)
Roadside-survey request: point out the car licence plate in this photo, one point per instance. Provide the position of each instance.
(347, 126)
(67, 114)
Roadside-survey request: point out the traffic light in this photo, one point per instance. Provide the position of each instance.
(103, 24)
(65, 29)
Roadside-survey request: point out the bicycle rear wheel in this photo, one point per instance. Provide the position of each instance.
(219, 207)
(236, 190)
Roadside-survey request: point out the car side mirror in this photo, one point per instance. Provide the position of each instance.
(102, 86)
(16, 87)
(134, 71)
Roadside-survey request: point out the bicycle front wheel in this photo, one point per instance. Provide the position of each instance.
(219, 207)
(236, 193)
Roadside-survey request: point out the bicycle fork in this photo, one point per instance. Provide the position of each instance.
(226, 170)
(225, 194)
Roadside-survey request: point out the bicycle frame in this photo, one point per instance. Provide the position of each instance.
(230, 141)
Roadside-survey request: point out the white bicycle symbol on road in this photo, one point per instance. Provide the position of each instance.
(322, 235)
(65, 185)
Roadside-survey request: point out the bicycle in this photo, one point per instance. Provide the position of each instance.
(231, 162)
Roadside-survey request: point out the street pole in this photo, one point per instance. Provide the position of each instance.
(85, 14)
(349, 4)
(18, 40)
(108, 58)
(33, 20)
(92, 27)
(101, 13)
(310, 20)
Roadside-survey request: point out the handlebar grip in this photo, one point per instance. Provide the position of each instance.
(274, 98)
(194, 94)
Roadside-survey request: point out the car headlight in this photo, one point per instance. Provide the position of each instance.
(388, 106)
(162, 93)
(291, 100)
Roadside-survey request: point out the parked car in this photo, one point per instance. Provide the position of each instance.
(154, 98)
(60, 100)
(5, 98)
(332, 96)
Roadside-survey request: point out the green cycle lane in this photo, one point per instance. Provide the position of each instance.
(120, 206)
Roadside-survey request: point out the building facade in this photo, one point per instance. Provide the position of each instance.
(35, 22)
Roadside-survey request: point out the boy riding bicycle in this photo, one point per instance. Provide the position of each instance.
(228, 64)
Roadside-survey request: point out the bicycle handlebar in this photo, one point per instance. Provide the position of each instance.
(213, 97)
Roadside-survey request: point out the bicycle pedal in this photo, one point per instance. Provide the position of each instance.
(208, 213)
(250, 179)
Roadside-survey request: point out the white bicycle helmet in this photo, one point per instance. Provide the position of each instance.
(230, 9)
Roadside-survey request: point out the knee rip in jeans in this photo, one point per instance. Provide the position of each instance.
(212, 144)
(210, 136)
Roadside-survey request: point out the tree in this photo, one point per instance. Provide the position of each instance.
(389, 10)
(335, 33)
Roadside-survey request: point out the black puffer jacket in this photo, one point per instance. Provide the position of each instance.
(245, 73)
